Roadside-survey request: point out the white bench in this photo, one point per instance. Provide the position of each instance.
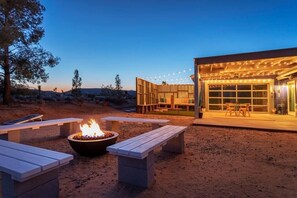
(12, 132)
(112, 122)
(29, 171)
(136, 156)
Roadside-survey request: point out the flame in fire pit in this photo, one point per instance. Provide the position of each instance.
(91, 129)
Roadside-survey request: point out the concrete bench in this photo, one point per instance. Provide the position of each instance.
(136, 156)
(28, 171)
(12, 132)
(112, 123)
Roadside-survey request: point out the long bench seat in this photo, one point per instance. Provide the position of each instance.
(136, 157)
(29, 171)
(12, 132)
(112, 122)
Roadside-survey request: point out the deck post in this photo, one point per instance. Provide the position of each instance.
(295, 97)
(196, 89)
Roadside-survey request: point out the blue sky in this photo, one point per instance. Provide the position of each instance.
(155, 38)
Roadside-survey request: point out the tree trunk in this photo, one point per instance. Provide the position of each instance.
(7, 85)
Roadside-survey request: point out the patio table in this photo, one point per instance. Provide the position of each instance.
(236, 107)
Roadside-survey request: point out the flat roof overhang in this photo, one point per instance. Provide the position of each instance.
(279, 64)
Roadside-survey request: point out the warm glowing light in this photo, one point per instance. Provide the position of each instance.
(91, 129)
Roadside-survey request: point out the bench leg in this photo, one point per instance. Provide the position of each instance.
(176, 145)
(112, 125)
(138, 172)
(45, 185)
(68, 129)
(13, 136)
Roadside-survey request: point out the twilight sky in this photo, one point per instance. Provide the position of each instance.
(157, 39)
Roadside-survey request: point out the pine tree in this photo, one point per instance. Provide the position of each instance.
(21, 56)
(118, 87)
(76, 83)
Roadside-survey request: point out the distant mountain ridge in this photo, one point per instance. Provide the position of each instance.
(97, 91)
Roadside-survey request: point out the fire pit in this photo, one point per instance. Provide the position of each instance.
(92, 140)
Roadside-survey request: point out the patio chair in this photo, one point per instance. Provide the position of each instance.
(244, 110)
(230, 108)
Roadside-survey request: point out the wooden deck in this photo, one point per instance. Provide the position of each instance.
(269, 122)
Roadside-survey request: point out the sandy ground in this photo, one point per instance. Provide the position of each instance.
(218, 162)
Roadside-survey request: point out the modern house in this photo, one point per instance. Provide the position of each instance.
(267, 80)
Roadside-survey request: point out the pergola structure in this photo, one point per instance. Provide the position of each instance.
(271, 68)
(154, 97)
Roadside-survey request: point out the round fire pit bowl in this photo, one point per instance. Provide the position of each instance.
(92, 147)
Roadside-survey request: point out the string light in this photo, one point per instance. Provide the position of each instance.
(240, 81)
(173, 78)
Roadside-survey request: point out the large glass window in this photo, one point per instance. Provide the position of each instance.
(244, 87)
(229, 87)
(254, 94)
(260, 93)
(215, 101)
(229, 100)
(241, 101)
(214, 87)
(215, 107)
(244, 94)
(260, 101)
(259, 87)
(229, 94)
(214, 94)
(260, 108)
